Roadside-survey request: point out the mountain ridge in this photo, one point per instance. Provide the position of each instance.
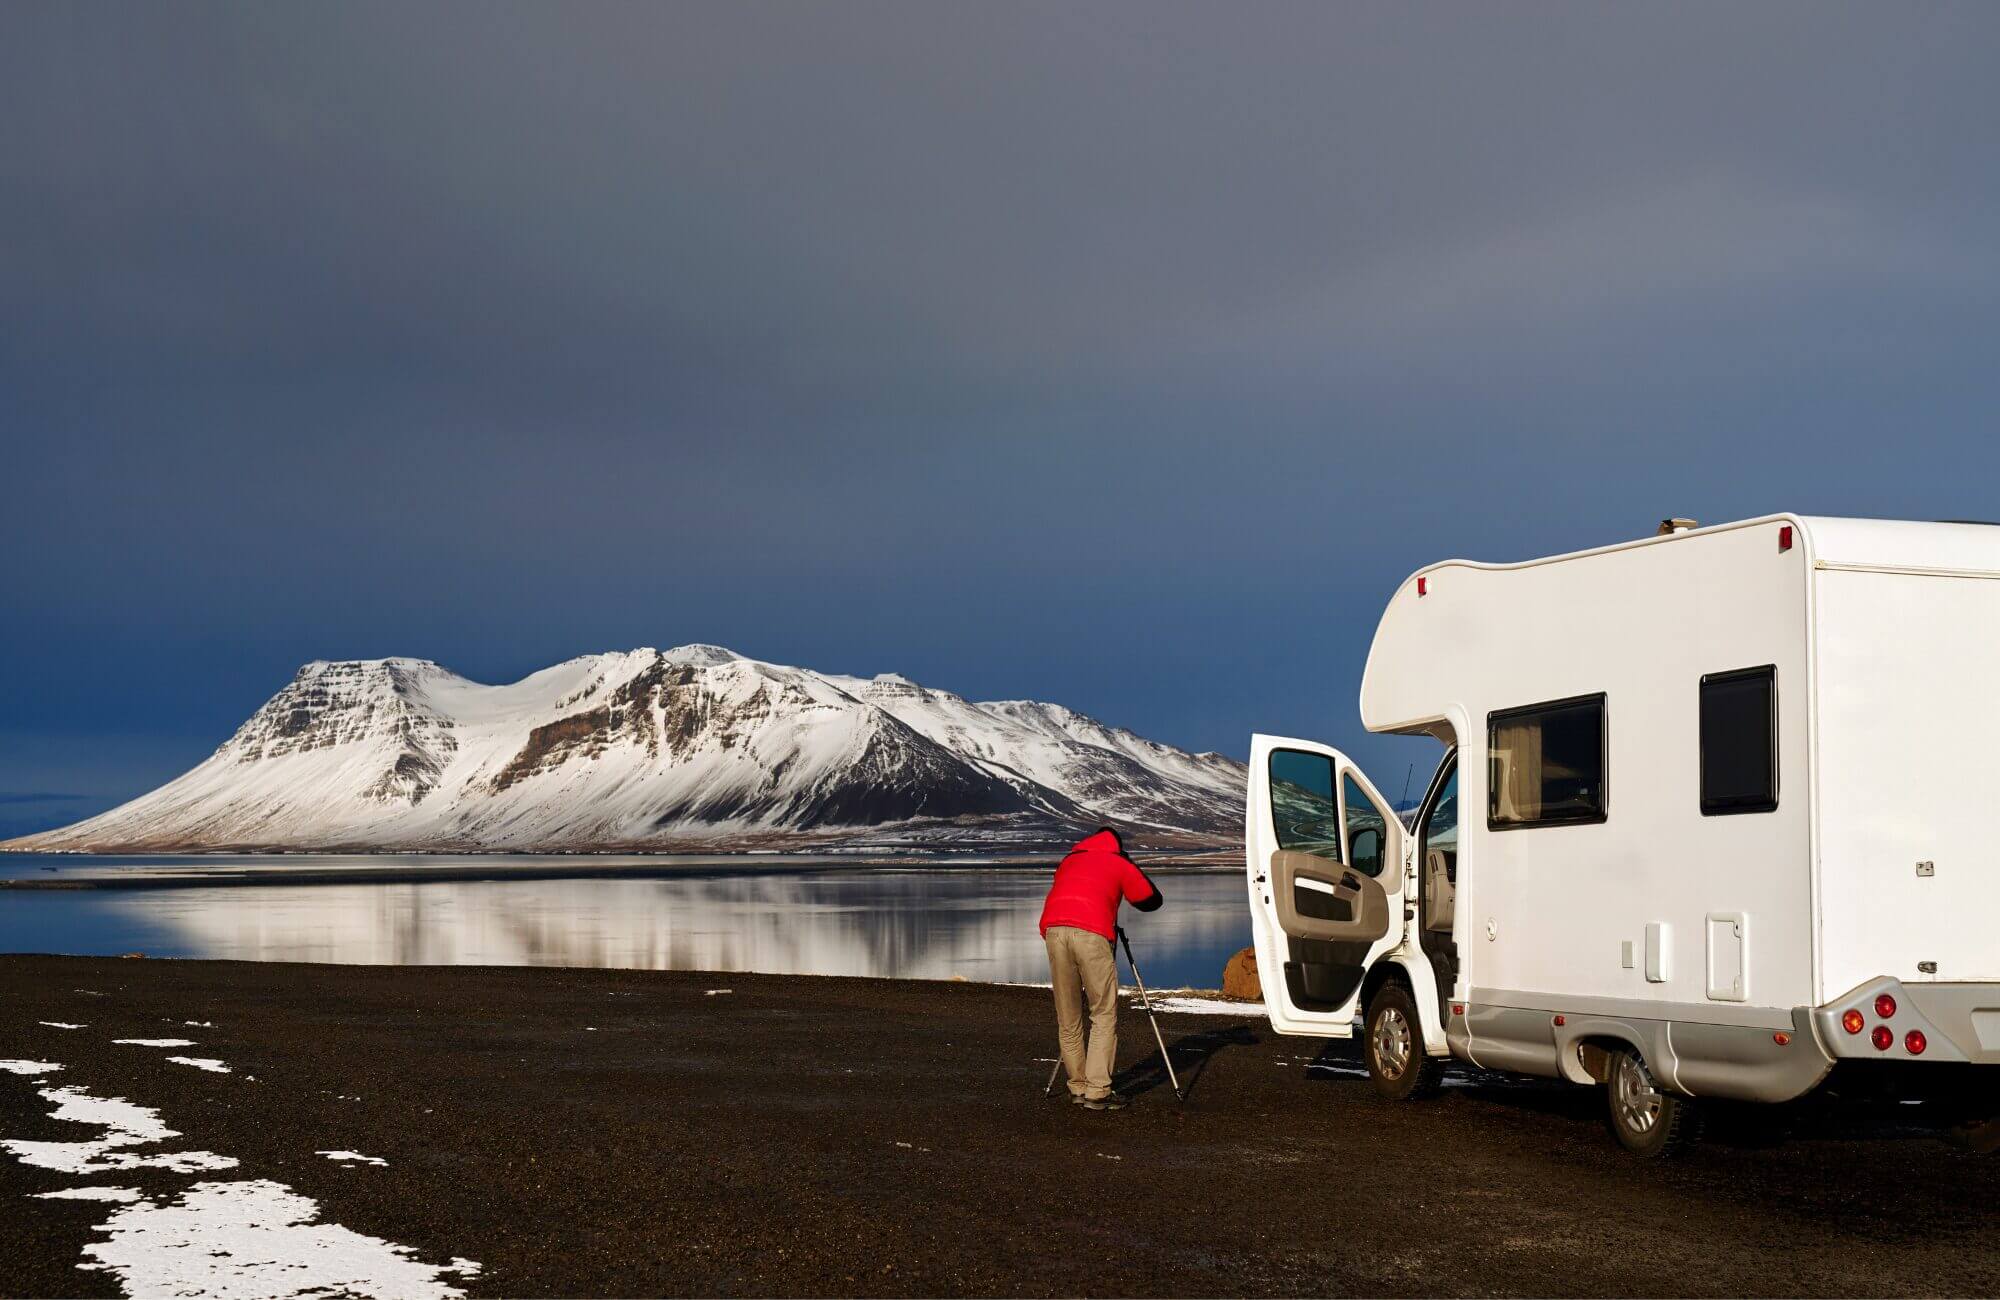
(691, 747)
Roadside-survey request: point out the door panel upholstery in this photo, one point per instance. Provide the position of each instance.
(1364, 919)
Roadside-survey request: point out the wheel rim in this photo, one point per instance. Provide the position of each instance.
(1392, 1042)
(1635, 1100)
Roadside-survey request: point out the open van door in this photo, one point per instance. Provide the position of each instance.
(1324, 856)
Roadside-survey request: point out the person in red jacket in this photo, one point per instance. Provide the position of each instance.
(1079, 918)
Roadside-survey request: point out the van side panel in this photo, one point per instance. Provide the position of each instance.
(1547, 914)
(1909, 716)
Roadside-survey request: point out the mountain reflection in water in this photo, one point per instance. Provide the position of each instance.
(904, 924)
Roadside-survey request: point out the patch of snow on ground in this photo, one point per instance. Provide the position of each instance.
(1200, 1006)
(1345, 1069)
(125, 1125)
(713, 992)
(200, 1024)
(29, 1067)
(155, 1042)
(60, 1024)
(352, 1156)
(257, 1239)
(122, 1195)
(208, 1063)
(219, 1240)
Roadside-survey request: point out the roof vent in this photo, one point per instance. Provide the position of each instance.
(1668, 527)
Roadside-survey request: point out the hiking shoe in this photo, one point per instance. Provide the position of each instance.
(1109, 1101)
(1077, 1098)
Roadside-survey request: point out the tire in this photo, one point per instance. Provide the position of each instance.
(1646, 1119)
(1393, 1043)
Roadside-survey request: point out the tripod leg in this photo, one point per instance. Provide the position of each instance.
(1147, 1002)
(1050, 1091)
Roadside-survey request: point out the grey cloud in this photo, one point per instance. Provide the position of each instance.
(947, 337)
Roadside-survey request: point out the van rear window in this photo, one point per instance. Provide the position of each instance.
(1739, 741)
(1546, 764)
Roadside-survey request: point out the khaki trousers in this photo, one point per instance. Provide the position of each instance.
(1084, 972)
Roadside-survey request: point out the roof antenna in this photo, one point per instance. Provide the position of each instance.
(1668, 527)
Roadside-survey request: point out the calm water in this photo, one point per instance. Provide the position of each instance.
(916, 923)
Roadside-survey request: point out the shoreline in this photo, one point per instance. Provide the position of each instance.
(206, 871)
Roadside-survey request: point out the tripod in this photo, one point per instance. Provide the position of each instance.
(1146, 1002)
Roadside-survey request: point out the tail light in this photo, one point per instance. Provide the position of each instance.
(1785, 538)
(1915, 1042)
(1882, 1038)
(1851, 1021)
(1885, 1006)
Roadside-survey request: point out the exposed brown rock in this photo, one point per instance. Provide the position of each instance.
(1239, 976)
(548, 745)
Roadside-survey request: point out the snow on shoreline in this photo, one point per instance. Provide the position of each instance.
(352, 1157)
(247, 1238)
(125, 1125)
(258, 1238)
(1195, 1004)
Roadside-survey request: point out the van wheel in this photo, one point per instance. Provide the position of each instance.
(1646, 1119)
(1398, 1066)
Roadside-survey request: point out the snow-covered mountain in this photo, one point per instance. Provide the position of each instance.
(695, 746)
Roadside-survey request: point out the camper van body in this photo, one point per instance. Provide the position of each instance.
(1731, 940)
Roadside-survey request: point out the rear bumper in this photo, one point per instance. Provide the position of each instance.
(1959, 1023)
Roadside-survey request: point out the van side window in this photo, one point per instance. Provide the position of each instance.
(1441, 828)
(1545, 764)
(1302, 805)
(1739, 741)
(1367, 832)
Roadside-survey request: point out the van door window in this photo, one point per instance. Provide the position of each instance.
(1303, 811)
(1367, 829)
(1546, 764)
(1739, 741)
(1438, 855)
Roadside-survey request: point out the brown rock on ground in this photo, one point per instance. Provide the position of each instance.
(1239, 976)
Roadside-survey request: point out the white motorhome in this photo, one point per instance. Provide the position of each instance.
(1715, 819)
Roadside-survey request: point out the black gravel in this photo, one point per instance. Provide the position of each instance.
(591, 1132)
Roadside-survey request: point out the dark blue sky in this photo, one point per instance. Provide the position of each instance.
(1125, 355)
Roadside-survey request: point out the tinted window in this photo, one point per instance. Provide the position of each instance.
(1546, 764)
(1739, 741)
(1302, 806)
(1367, 832)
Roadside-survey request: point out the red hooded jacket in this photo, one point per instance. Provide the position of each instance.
(1090, 882)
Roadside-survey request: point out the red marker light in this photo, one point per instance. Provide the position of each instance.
(1423, 585)
(1458, 1008)
(1852, 1021)
(1782, 1039)
(1885, 1006)
(1882, 1037)
(1785, 538)
(1916, 1042)
(1560, 1021)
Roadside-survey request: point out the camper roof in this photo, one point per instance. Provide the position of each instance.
(1890, 543)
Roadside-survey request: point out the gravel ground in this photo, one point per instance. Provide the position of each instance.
(593, 1132)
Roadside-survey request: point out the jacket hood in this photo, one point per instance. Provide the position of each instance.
(1103, 840)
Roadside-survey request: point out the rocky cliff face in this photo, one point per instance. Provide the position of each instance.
(691, 747)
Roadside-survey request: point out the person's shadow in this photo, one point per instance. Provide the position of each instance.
(1190, 1054)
